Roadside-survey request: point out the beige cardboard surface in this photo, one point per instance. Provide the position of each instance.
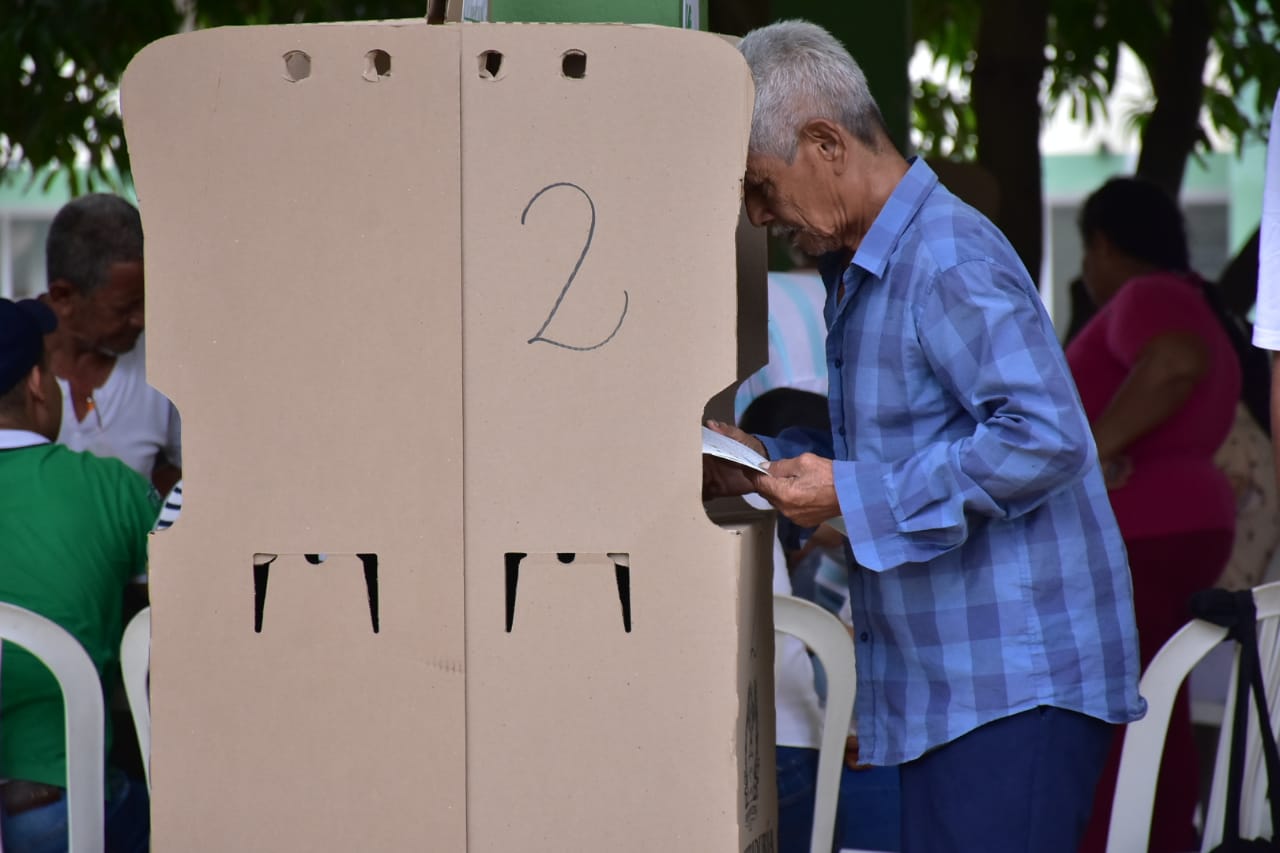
(303, 266)
(582, 400)
(373, 354)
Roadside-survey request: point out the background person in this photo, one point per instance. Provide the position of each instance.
(1160, 381)
(93, 257)
(1266, 321)
(73, 531)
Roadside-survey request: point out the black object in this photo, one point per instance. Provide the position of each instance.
(1237, 612)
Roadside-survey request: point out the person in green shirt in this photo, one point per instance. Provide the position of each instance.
(73, 532)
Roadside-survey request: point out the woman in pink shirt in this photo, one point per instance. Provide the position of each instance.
(1160, 381)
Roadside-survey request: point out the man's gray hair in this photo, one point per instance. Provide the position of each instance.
(90, 234)
(803, 73)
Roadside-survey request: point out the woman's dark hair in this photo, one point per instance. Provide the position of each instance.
(1140, 219)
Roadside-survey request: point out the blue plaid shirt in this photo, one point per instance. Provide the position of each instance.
(990, 575)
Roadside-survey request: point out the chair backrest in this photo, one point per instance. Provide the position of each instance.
(82, 698)
(1144, 740)
(1255, 816)
(135, 664)
(828, 638)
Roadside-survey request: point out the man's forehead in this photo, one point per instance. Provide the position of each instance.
(124, 281)
(758, 166)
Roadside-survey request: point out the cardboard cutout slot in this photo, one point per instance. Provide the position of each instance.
(490, 65)
(621, 570)
(297, 66)
(377, 65)
(574, 64)
(262, 570)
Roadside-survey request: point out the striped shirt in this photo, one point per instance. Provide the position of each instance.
(991, 575)
(171, 508)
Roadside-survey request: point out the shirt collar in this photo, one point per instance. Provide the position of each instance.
(892, 220)
(12, 439)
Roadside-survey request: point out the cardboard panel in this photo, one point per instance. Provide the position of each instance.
(601, 171)
(303, 266)
(396, 282)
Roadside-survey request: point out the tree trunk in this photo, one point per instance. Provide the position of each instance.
(1006, 103)
(1177, 74)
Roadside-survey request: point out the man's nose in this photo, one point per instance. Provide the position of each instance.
(758, 212)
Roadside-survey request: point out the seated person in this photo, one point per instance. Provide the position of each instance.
(93, 259)
(790, 390)
(73, 531)
(867, 815)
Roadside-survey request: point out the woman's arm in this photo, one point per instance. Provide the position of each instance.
(1161, 380)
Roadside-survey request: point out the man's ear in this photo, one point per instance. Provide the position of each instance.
(35, 383)
(61, 293)
(828, 140)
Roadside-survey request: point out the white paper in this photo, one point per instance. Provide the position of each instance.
(723, 447)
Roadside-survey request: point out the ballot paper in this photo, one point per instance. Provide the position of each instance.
(723, 447)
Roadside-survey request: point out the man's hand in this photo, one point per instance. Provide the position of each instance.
(803, 489)
(739, 436)
(851, 754)
(721, 478)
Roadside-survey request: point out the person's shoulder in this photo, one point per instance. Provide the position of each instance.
(103, 472)
(954, 233)
(1168, 286)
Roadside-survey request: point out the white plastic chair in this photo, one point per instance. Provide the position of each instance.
(82, 698)
(135, 664)
(830, 641)
(1144, 740)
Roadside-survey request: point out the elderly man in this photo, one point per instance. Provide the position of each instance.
(73, 530)
(990, 596)
(94, 264)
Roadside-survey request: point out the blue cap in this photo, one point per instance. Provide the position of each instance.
(23, 326)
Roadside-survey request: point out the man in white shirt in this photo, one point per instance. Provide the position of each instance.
(94, 265)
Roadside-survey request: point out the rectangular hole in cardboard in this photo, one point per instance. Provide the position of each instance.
(621, 568)
(262, 570)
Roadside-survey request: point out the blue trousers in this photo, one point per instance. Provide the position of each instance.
(797, 774)
(44, 829)
(866, 817)
(869, 815)
(1023, 784)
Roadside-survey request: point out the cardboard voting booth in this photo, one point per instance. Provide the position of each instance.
(441, 307)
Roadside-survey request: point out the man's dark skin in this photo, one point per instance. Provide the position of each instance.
(94, 329)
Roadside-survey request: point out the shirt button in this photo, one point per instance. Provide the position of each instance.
(842, 430)
(864, 636)
(839, 362)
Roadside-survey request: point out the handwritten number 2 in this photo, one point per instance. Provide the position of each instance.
(586, 247)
